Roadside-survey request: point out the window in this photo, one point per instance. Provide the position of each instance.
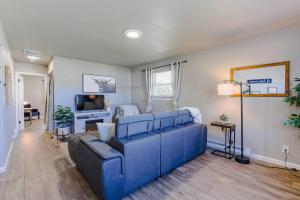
(162, 83)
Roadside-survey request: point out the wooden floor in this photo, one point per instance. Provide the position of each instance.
(40, 169)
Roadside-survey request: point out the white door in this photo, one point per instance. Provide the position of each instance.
(21, 102)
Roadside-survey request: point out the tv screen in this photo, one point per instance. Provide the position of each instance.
(89, 102)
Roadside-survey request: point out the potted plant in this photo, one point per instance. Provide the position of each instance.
(64, 119)
(294, 119)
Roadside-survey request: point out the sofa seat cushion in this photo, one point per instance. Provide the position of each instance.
(142, 158)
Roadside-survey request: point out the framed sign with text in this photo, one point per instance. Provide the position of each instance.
(267, 80)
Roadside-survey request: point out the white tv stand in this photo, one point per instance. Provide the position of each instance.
(82, 118)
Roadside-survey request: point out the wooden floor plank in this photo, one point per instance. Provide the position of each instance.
(41, 169)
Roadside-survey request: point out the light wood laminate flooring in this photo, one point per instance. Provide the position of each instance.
(40, 169)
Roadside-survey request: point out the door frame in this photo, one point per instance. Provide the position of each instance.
(17, 74)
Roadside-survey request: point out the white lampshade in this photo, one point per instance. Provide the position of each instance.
(226, 89)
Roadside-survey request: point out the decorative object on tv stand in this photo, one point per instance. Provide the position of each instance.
(267, 80)
(223, 118)
(294, 119)
(229, 88)
(64, 120)
(107, 103)
(98, 83)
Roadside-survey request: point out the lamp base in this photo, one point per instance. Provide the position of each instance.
(242, 159)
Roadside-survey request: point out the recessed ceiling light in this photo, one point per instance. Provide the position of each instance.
(133, 34)
(33, 57)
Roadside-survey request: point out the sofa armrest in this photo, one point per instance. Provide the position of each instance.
(204, 137)
(102, 149)
(102, 166)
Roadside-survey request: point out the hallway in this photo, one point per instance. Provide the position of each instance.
(39, 170)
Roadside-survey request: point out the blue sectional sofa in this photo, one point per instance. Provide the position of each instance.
(144, 148)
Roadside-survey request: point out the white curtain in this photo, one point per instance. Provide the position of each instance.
(49, 104)
(149, 86)
(176, 82)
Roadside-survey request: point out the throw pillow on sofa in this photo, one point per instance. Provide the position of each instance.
(106, 131)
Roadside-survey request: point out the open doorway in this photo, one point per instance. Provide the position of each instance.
(31, 100)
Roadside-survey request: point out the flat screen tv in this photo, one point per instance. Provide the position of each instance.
(89, 102)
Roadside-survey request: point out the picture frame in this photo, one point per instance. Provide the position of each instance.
(262, 77)
(9, 96)
(92, 83)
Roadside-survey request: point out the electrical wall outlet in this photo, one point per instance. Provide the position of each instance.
(285, 148)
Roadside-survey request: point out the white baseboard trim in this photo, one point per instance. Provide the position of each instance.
(16, 134)
(275, 161)
(220, 146)
(3, 169)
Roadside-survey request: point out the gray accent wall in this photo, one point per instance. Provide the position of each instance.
(68, 80)
(264, 131)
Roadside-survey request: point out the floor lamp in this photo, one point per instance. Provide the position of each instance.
(228, 88)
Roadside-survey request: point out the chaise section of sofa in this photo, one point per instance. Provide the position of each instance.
(102, 166)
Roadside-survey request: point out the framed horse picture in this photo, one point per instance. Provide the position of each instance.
(92, 83)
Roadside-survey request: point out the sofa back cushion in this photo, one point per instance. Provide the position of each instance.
(133, 125)
(164, 120)
(184, 117)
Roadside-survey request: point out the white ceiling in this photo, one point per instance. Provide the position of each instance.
(93, 29)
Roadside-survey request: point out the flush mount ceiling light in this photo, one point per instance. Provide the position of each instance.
(33, 52)
(33, 55)
(133, 34)
(33, 58)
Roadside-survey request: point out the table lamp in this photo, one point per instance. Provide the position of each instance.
(229, 88)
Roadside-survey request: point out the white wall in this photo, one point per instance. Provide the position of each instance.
(68, 80)
(7, 112)
(264, 132)
(31, 68)
(34, 92)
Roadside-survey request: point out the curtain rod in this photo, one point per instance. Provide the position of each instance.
(185, 61)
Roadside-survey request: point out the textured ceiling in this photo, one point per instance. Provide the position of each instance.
(93, 29)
